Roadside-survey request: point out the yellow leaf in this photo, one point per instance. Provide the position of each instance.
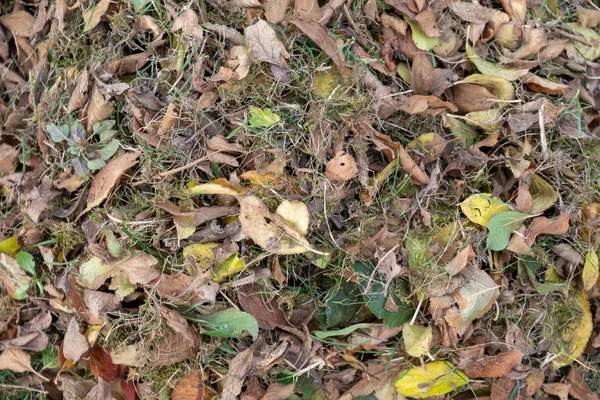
(256, 178)
(269, 230)
(543, 195)
(417, 339)
(218, 186)
(232, 265)
(295, 213)
(479, 208)
(488, 68)
(488, 120)
(403, 71)
(433, 379)
(592, 36)
(575, 335)
(422, 41)
(10, 246)
(589, 275)
(501, 87)
(200, 254)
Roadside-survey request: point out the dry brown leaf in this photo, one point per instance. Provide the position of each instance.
(98, 303)
(469, 97)
(578, 388)
(262, 306)
(535, 43)
(8, 159)
(428, 21)
(394, 22)
(542, 85)
(75, 344)
(79, 96)
(560, 390)
(192, 387)
(129, 64)
(319, 35)
(425, 79)
(96, 13)
(101, 391)
(188, 23)
(222, 158)
(19, 22)
(15, 360)
(264, 45)
(269, 230)
(307, 10)
(108, 177)
(491, 366)
(278, 391)
(516, 9)
(588, 17)
(477, 14)
(430, 105)
(219, 143)
(521, 243)
(139, 268)
(245, 3)
(276, 10)
(341, 168)
(239, 62)
(99, 108)
(460, 261)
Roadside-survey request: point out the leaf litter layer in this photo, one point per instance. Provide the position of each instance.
(292, 199)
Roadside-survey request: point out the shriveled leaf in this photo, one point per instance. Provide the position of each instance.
(108, 177)
(479, 208)
(501, 226)
(187, 22)
(417, 339)
(230, 323)
(264, 118)
(434, 379)
(580, 49)
(269, 231)
(430, 105)
(542, 85)
(560, 390)
(589, 275)
(200, 255)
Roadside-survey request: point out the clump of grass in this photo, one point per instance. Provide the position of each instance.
(68, 236)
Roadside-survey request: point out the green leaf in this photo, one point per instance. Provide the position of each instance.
(26, 262)
(58, 133)
(95, 164)
(342, 305)
(21, 292)
(77, 131)
(376, 297)
(532, 266)
(101, 127)
(340, 332)
(113, 245)
(418, 252)
(262, 118)
(138, 5)
(109, 149)
(501, 226)
(94, 272)
(230, 323)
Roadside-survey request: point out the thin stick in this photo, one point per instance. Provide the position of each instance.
(173, 171)
(543, 138)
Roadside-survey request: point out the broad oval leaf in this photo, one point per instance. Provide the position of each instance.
(501, 226)
(433, 379)
(230, 323)
(479, 208)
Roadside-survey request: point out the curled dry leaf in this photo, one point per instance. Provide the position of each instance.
(187, 22)
(269, 231)
(108, 177)
(341, 168)
(491, 366)
(543, 85)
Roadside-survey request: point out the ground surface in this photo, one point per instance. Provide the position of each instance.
(298, 199)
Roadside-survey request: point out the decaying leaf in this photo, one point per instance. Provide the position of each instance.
(491, 366)
(192, 387)
(417, 339)
(264, 44)
(15, 360)
(341, 168)
(575, 335)
(75, 344)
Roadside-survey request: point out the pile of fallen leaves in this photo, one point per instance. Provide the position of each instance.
(292, 199)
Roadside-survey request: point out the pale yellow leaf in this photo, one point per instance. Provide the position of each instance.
(488, 68)
(417, 339)
(589, 275)
(575, 335)
(433, 379)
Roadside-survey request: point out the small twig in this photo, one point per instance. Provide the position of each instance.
(173, 171)
(26, 389)
(543, 139)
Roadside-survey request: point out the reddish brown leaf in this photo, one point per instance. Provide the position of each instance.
(491, 366)
(192, 387)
